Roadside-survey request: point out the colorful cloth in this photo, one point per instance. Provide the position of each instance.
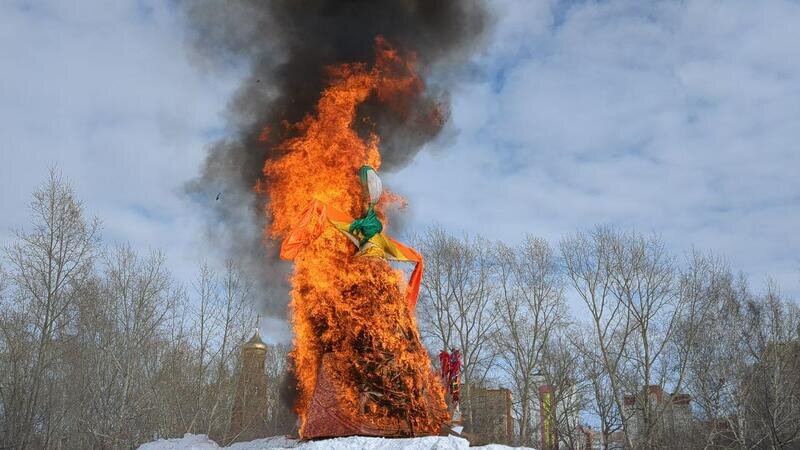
(454, 375)
(366, 227)
(455, 390)
(444, 363)
(379, 245)
(455, 362)
(365, 232)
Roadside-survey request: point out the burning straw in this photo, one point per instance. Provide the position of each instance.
(352, 309)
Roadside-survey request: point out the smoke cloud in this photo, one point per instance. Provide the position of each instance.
(287, 44)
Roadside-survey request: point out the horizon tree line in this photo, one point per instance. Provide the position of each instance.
(641, 318)
(101, 347)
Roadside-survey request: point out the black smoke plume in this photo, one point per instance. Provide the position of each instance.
(287, 44)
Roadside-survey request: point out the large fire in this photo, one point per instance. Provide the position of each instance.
(352, 310)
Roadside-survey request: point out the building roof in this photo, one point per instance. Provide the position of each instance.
(255, 341)
(659, 394)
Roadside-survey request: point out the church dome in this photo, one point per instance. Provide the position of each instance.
(255, 342)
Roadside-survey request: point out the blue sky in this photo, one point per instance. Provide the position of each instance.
(680, 118)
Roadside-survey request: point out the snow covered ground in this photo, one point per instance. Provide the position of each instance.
(202, 442)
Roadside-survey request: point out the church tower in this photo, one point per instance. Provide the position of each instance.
(249, 412)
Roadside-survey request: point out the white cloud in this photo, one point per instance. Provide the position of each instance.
(677, 117)
(105, 91)
(674, 117)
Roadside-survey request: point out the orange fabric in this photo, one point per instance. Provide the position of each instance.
(312, 224)
(309, 228)
(336, 214)
(412, 293)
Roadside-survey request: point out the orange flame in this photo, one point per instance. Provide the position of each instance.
(352, 309)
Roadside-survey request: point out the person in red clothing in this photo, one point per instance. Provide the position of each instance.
(454, 377)
(444, 363)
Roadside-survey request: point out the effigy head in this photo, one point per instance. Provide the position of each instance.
(371, 182)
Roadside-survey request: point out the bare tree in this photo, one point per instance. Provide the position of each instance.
(172, 386)
(628, 283)
(48, 263)
(571, 392)
(770, 401)
(3, 286)
(602, 403)
(530, 309)
(137, 297)
(281, 417)
(109, 352)
(588, 263)
(457, 302)
(204, 325)
(707, 339)
(234, 316)
(436, 294)
(115, 353)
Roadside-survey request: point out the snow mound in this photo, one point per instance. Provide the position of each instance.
(372, 443)
(275, 442)
(202, 442)
(188, 441)
(501, 447)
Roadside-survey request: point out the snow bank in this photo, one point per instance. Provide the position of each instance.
(188, 441)
(275, 442)
(202, 442)
(367, 443)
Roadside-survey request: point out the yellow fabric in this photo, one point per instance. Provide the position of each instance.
(379, 245)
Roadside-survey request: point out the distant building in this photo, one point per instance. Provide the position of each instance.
(590, 439)
(593, 439)
(616, 440)
(559, 416)
(669, 415)
(548, 413)
(249, 412)
(491, 416)
(719, 433)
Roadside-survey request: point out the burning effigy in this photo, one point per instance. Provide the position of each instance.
(365, 232)
(358, 357)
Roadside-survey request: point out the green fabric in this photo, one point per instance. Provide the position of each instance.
(367, 226)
